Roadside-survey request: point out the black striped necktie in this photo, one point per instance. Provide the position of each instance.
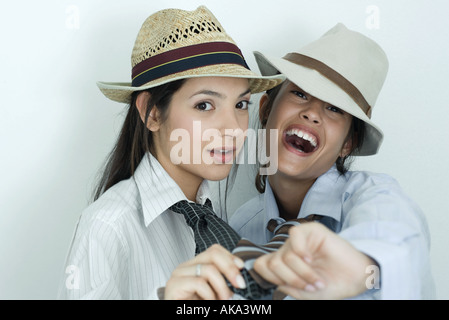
(209, 229)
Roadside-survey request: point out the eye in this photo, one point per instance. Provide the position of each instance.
(243, 105)
(300, 94)
(204, 106)
(335, 109)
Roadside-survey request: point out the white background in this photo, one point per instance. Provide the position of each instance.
(56, 127)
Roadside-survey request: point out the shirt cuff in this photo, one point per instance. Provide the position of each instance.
(392, 260)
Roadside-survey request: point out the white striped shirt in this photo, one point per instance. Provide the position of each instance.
(127, 243)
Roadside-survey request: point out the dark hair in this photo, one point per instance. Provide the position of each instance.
(356, 133)
(134, 140)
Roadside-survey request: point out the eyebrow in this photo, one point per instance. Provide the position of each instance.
(301, 89)
(217, 94)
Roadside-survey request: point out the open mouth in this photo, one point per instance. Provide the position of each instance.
(222, 155)
(300, 140)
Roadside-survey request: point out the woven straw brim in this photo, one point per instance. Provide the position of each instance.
(317, 85)
(122, 92)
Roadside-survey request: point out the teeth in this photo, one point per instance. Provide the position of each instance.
(223, 151)
(303, 135)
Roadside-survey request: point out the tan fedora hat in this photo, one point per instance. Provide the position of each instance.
(175, 44)
(343, 68)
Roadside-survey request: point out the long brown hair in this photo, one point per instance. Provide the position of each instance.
(356, 134)
(134, 140)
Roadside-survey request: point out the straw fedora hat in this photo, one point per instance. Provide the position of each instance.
(343, 68)
(175, 44)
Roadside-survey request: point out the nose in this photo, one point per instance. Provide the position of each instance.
(233, 123)
(312, 112)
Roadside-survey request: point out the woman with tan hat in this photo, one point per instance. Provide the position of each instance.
(188, 78)
(372, 241)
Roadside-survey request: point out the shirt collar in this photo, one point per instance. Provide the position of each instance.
(323, 198)
(158, 191)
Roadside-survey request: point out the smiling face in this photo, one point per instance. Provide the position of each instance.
(312, 133)
(203, 129)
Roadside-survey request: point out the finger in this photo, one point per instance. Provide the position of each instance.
(210, 275)
(296, 272)
(286, 267)
(307, 239)
(216, 281)
(275, 269)
(188, 288)
(225, 262)
(298, 253)
(287, 275)
(292, 292)
(261, 266)
(304, 294)
(202, 289)
(213, 252)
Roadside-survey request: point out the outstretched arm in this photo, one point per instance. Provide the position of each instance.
(312, 247)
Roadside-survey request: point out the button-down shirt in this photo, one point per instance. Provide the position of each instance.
(373, 213)
(127, 242)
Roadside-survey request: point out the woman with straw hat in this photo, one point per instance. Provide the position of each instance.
(372, 241)
(187, 75)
